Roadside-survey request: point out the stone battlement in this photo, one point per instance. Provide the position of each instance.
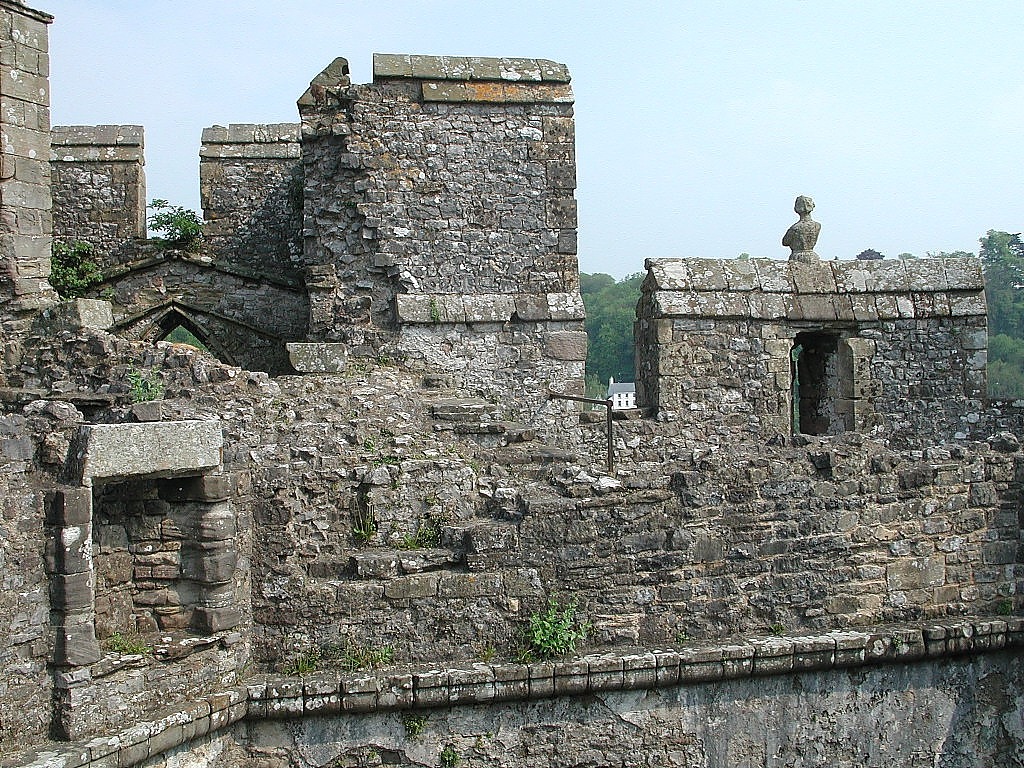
(376, 554)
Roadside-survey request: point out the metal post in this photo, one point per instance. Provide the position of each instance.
(608, 421)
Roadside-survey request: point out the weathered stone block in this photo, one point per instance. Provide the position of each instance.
(411, 587)
(210, 567)
(566, 345)
(70, 592)
(211, 620)
(159, 448)
(375, 565)
(318, 357)
(916, 573)
(76, 641)
(70, 507)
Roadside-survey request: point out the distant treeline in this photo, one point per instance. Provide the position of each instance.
(611, 310)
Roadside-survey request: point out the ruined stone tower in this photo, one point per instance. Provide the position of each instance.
(395, 550)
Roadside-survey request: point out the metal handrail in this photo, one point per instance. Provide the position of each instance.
(608, 420)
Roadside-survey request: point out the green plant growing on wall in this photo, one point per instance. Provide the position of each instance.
(427, 536)
(182, 229)
(352, 657)
(555, 631)
(120, 643)
(363, 525)
(143, 387)
(302, 663)
(414, 723)
(73, 269)
(449, 758)
(435, 311)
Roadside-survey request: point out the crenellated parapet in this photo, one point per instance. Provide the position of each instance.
(99, 188)
(763, 348)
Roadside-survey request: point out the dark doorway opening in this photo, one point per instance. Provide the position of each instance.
(821, 381)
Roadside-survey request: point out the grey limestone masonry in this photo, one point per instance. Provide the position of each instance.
(331, 530)
(250, 179)
(99, 188)
(763, 348)
(460, 227)
(25, 199)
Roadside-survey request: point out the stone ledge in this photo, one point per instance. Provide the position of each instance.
(826, 277)
(156, 449)
(251, 141)
(327, 692)
(497, 93)
(143, 740)
(466, 68)
(863, 307)
(97, 135)
(271, 697)
(436, 309)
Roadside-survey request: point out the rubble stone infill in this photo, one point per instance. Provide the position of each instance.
(322, 693)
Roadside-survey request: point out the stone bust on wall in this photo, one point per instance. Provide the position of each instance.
(803, 235)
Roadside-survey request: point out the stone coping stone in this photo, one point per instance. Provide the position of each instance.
(467, 68)
(626, 669)
(826, 277)
(18, 6)
(97, 135)
(434, 309)
(251, 141)
(400, 688)
(851, 291)
(156, 449)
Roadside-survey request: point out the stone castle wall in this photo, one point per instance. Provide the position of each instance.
(820, 459)
(443, 165)
(250, 180)
(907, 357)
(25, 200)
(99, 188)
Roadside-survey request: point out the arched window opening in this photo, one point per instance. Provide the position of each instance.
(176, 327)
(182, 335)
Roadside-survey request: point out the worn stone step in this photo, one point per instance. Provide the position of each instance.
(388, 564)
(497, 433)
(533, 455)
(463, 409)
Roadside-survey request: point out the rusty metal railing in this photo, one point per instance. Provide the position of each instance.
(608, 420)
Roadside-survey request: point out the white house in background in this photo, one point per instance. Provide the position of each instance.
(622, 395)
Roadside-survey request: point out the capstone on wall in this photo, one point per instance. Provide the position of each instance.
(99, 189)
(755, 349)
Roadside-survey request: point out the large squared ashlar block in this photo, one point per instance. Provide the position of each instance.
(152, 449)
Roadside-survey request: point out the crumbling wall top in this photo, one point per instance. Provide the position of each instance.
(20, 7)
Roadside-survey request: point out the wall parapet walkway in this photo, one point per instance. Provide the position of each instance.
(396, 689)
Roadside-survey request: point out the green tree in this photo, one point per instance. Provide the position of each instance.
(611, 310)
(182, 228)
(73, 269)
(1003, 257)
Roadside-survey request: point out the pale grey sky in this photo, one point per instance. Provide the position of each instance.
(698, 123)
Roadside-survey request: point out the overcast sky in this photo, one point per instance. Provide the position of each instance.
(698, 123)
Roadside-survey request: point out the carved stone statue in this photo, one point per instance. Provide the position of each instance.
(802, 236)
